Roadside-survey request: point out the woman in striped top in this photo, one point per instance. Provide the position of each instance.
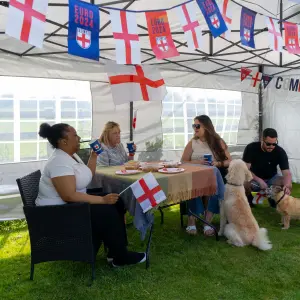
(114, 153)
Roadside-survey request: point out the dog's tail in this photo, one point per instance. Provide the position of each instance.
(261, 240)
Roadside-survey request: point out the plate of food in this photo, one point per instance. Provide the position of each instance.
(171, 170)
(127, 172)
(171, 164)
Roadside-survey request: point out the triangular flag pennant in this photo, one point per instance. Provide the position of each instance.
(125, 33)
(245, 72)
(256, 79)
(26, 21)
(148, 192)
(247, 27)
(266, 79)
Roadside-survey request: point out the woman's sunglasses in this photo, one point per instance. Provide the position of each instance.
(196, 126)
(271, 144)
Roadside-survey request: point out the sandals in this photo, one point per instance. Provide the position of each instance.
(208, 231)
(191, 230)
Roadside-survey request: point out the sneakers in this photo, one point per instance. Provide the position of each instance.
(132, 258)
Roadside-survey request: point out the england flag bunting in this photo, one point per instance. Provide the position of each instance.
(125, 33)
(135, 83)
(134, 119)
(256, 79)
(213, 17)
(276, 40)
(247, 27)
(226, 11)
(160, 36)
(266, 79)
(190, 25)
(245, 72)
(26, 21)
(148, 192)
(292, 37)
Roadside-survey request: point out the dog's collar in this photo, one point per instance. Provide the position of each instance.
(281, 198)
(234, 184)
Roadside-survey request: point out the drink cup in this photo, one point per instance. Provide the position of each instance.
(208, 158)
(96, 146)
(130, 147)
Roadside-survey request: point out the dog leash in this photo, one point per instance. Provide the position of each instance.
(281, 198)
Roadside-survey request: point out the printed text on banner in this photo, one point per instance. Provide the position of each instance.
(291, 38)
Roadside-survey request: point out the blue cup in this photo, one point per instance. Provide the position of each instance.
(130, 147)
(96, 146)
(208, 158)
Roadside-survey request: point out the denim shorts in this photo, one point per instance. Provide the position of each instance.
(255, 185)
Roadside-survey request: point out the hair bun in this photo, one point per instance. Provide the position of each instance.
(45, 130)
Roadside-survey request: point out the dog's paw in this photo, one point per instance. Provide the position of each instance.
(285, 228)
(220, 233)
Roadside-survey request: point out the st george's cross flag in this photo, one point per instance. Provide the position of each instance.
(276, 40)
(256, 79)
(291, 37)
(226, 11)
(135, 83)
(160, 36)
(26, 21)
(247, 27)
(213, 17)
(83, 33)
(148, 192)
(125, 33)
(190, 25)
(134, 119)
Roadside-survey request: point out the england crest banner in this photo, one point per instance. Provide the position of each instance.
(213, 17)
(266, 79)
(160, 37)
(292, 38)
(190, 25)
(83, 34)
(276, 40)
(247, 27)
(135, 83)
(26, 21)
(125, 33)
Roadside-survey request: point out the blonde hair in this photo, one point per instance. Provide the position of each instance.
(104, 138)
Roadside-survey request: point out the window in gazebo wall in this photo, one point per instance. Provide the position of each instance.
(181, 105)
(36, 101)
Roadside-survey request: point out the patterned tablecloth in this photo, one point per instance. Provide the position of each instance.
(196, 180)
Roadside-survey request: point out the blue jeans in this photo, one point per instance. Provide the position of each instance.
(277, 179)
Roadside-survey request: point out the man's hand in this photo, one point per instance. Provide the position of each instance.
(287, 190)
(262, 184)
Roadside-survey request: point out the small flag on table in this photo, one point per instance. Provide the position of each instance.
(190, 25)
(247, 27)
(213, 17)
(148, 192)
(134, 119)
(26, 21)
(125, 33)
(83, 34)
(245, 72)
(266, 79)
(160, 36)
(276, 40)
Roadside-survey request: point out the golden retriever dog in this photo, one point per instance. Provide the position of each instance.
(287, 206)
(242, 228)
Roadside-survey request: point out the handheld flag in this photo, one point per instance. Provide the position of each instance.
(247, 27)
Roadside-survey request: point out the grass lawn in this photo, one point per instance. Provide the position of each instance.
(182, 267)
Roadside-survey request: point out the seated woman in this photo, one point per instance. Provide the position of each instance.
(64, 180)
(114, 153)
(205, 141)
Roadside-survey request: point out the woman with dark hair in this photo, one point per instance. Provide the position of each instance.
(64, 180)
(205, 141)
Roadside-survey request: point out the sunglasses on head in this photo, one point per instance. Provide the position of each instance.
(271, 144)
(196, 126)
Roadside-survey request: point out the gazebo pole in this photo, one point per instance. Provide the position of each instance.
(260, 104)
(281, 29)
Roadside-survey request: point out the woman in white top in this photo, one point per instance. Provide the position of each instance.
(205, 141)
(64, 180)
(114, 153)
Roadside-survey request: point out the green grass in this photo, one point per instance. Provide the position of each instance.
(182, 267)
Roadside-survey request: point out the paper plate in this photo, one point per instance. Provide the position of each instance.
(171, 170)
(127, 172)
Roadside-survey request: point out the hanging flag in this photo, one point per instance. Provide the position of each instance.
(296, 1)
(213, 17)
(134, 119)
(291, 37)
(83, 34)
(148, 192)
(125, 34)
(160, 34)
(226, 11)
(26, 21)
(247, 27)
(245, 72)
(276, 40)
(256, 79)
(135, 83)
(190, 25)
(266, 79)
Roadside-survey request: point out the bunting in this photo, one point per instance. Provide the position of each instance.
(291, 38)
(227, 16)
(245, 72)
(266, 79)
(276, 40)
(247, 27)
(256, 79)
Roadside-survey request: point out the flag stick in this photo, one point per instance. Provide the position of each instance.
(124, 190)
